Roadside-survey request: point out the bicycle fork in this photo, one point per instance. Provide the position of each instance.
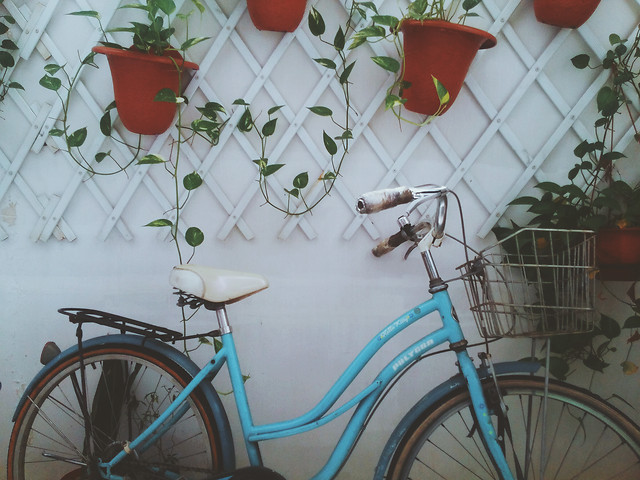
(482, 415)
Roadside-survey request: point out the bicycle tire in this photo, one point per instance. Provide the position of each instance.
(586, 438)
(127, 387)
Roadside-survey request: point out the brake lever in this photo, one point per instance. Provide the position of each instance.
(418, 233)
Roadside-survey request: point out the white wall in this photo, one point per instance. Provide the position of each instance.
(328, 295)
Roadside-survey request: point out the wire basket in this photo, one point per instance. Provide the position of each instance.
(534, 283)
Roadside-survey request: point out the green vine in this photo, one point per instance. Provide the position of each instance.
(337, 147)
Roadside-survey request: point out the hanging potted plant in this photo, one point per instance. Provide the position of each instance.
(564, 13)
(601, 196)
(147, 67)
(276, 15)
(436, 52)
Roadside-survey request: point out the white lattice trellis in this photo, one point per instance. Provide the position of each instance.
(38, 39)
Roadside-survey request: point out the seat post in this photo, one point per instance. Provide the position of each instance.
(223, 320)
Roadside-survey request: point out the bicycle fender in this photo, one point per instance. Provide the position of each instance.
(159, 349)
(436, 395)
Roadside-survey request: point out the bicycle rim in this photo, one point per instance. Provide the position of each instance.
(582, 438)
(126, 390)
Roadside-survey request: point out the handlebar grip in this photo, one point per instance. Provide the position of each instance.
(388, 244)
(379, 200)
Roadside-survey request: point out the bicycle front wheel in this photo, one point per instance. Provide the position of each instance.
(570, 435)
(75, 417)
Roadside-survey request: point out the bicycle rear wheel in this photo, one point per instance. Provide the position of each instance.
(127, 387)
(583, 437)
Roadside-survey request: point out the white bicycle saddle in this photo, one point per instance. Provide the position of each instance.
(215, 285)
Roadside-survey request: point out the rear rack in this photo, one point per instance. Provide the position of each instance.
(80, 316)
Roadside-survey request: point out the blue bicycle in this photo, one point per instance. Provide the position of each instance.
(130, 406)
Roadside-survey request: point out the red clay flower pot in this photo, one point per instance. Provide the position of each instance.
(564, 13)
(137, 78)
(276, 15)
(440, 49)
(618, 253)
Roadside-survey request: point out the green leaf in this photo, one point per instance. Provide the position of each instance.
(51, 83)
(326, 62)
(524, 201)
(344, 76)
(105, 124)
(167, 6)
(151, 159)
(192, 41)
(192, 181)
(339, 40)
(609, 327)
(52, 68)
(595, 363)
(273, 110)
(271, 169)
(607, 101)
(469, 4)
(56, 132)
(245, 124)
(6, 60)
(199, 5)
(86, 13)
(9, 45)
(329, 144)
(100, 156)
(301, 180)
(194, 236)
(269, 128)
(581, 61)
(161, 222)
(322, 111)
(316, 22)
(15, 85)
(632, 322)
(166, 95)
(388, 63)
(294, 192)
(386, 20)
(211, 110)
(77, 138)
(614, 39)
(443, 93)
(550, 187)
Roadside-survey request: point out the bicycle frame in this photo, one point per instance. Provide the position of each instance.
(364, 402)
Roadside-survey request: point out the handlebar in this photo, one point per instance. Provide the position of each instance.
(379, 200)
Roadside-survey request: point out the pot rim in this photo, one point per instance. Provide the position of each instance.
(489, 42)
(145, 57)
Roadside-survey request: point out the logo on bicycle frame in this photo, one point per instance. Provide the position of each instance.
(414, 353)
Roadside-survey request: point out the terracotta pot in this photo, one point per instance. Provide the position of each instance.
(137, 78)
(440, 49)
(276, 15)
(564, 13)
(618, 253)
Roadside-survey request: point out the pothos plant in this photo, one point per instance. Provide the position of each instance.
(595, 349)
(336, 145)
(7, 50)
(596, 197)
(153, 37)
(388, 28)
